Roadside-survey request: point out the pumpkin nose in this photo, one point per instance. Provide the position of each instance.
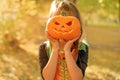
(63, 26)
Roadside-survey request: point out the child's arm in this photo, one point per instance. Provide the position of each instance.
(74, 70)
(50, 68)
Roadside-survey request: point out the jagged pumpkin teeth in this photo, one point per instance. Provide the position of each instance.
(63, 27)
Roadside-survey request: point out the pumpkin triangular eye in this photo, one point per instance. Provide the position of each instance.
(57, 23)
(69, 23)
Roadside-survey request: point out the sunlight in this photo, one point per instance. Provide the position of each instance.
(100, 1)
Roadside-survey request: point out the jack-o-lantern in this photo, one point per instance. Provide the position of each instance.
(63, 27)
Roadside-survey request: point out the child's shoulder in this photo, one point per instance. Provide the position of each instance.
(45, 43)
(83, 45)
(47, 47)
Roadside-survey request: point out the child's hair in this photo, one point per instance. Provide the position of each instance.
(65, 8)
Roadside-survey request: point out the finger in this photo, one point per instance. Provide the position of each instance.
(70, 42)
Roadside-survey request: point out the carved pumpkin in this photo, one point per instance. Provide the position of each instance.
(63, 27)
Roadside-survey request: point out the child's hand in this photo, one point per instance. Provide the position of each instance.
(54, 42)
(68, 45)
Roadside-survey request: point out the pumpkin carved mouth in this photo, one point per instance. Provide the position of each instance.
(63, 27)
(62, 32)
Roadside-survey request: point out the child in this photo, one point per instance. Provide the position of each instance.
(51, 65)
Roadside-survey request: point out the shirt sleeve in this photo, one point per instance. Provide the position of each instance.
(82, 57)
(43, 58)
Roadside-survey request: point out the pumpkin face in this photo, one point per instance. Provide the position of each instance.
(63, 27)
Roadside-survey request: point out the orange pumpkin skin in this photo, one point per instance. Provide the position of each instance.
(63, 27)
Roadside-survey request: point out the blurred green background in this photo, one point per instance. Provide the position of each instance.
(22, 25)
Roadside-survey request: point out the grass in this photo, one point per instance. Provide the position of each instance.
(18, 65)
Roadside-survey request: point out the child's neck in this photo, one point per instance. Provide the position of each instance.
(61, 46)
(62, 43)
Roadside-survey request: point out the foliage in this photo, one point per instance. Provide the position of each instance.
(99, 11)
